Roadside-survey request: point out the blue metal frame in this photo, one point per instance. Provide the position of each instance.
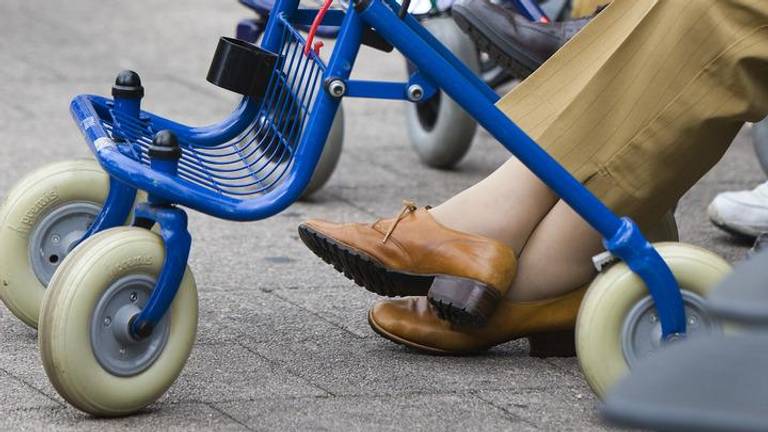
(437, 67)
(390, 90)
(121, 196)
(177, 242)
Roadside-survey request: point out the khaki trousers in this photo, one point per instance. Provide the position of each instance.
(646, 99)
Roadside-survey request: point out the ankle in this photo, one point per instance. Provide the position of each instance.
(459, 221)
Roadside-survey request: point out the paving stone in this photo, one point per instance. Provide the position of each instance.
(14, 332)
(346, 306)
(227, 372)
(445, 412)
(17, 395)
(22, 362)
(257, 316)
(563, 409)
(377, 366)
(265, 254)
(186, 417)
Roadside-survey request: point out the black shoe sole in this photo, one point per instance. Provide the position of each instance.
(740, 236)
(504, 54)
(363, 269)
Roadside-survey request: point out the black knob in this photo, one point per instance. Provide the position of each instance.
(164, 146)
(128, 85)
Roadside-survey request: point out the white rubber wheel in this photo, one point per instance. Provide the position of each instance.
(439, 129)
(330, 156)
(80, 340)
(611, 304)
(43, 216)
(760, 139)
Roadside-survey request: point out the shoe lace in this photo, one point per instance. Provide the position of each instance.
(408, 208)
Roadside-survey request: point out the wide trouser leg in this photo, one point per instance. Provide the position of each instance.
(647, 98)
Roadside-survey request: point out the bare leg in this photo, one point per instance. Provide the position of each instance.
(506, 206)
(557, 256)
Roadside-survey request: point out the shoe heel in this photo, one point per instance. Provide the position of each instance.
(555, 344)
(463, 302)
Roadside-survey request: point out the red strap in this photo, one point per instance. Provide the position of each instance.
(315, 24)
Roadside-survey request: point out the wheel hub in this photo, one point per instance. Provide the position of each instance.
(57, 234)
(114, 347)
(641, 333)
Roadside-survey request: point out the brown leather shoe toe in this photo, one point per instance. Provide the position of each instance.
(410, 253)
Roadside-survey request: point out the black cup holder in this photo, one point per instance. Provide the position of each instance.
(241, 67)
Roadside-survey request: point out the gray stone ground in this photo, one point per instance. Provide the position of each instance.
(283, 341)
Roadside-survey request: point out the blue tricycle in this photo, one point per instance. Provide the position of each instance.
(98, 262)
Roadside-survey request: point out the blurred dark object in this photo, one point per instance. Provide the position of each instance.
(512, 39)
(712, 384)
(743, 295)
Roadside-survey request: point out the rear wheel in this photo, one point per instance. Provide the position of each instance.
(439, 129)
(330, 156)
(41, 220)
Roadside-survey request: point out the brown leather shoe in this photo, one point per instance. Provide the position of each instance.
(405, 255)
(548, 325)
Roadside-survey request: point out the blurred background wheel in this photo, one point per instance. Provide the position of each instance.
(439, 129)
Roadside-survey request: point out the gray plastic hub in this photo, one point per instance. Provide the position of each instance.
(115, 349)
(641, 332)
(57, 234)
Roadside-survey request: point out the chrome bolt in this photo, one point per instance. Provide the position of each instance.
(337, 88)
(692, 320)
(122, 350)
(653, 318)
(133, 297)
(415, 93)
(107, 321)
(55, 238)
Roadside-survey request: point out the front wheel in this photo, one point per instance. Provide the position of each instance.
(41, 220)
(439, 129)
(88, 354)
(617, 323)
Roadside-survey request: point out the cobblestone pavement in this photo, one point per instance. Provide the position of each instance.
(283, 341)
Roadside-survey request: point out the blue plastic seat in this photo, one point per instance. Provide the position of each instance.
(250, 166)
